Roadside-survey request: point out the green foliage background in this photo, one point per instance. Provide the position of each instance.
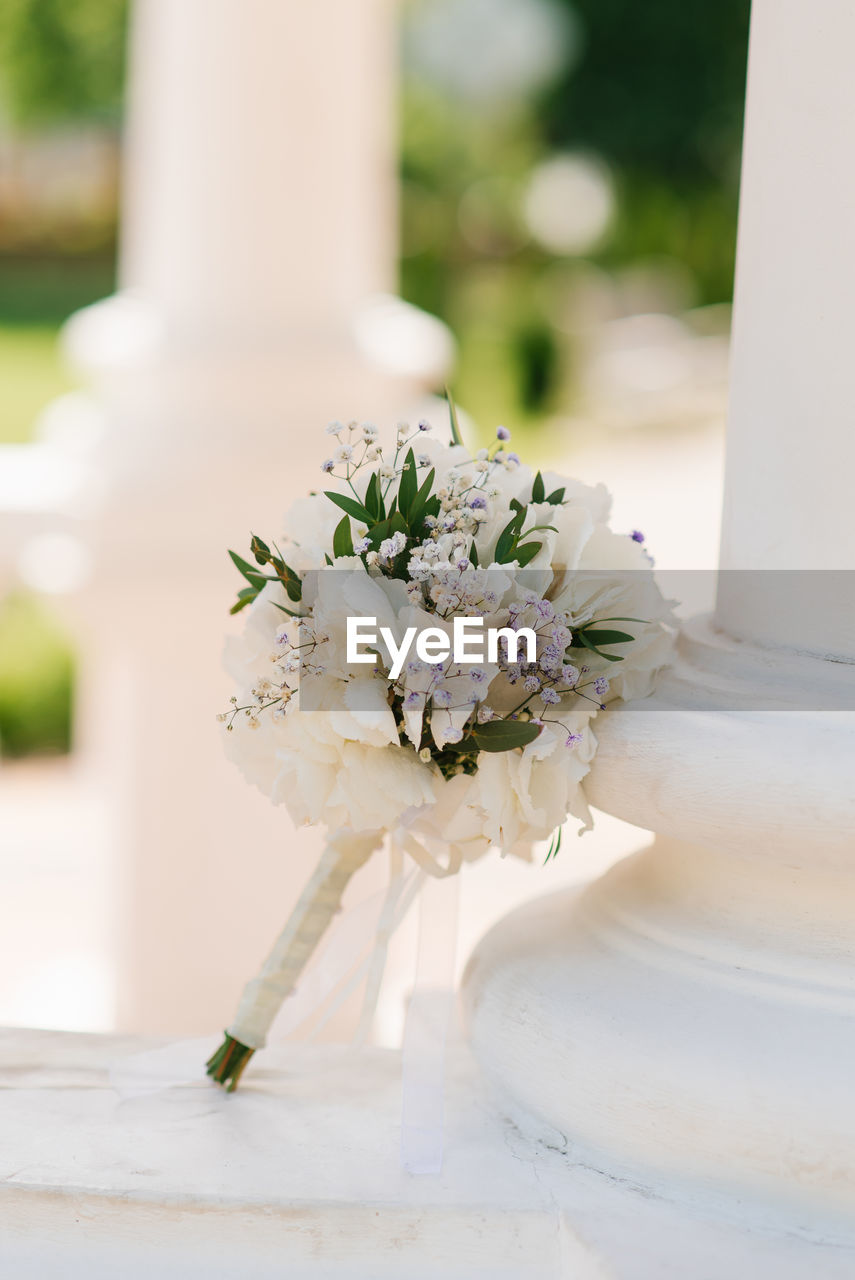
(62, 60)
(657, 92)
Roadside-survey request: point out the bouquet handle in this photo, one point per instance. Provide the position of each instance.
(264, 995)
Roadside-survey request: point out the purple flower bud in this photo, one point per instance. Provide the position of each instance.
(502, 433)
(424, 425)
(328, 465)
(637, 535)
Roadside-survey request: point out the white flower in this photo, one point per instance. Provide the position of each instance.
(391, 547)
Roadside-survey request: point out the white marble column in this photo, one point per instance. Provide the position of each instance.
(688, 1021)
(258, 217)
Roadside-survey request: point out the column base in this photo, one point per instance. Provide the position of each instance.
(688, 1020)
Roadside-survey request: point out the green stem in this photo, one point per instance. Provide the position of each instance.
(227, 1064)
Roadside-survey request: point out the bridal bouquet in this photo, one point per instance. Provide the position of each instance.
(365, 703)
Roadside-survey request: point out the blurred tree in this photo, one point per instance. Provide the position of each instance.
(659, 93)
(658, 89)
(61, 59)
(654, 91)
(36, 678)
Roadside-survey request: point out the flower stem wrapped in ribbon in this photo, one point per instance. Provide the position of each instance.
(447, 757)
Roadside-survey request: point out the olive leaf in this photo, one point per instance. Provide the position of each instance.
(456, 437)
(353, 508)
(505, 735)
(408, 488)
(342, 543)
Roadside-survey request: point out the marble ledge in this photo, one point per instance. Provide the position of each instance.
(298, 1174)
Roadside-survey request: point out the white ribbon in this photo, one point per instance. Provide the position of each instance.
(426, 1029)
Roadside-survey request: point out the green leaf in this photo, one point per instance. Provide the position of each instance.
(556, 497)
(473, 555)
(342, 543)
(607, 637)
(456, 437)
(508, 537)
(466, 746)
(245, 597)
(409, 486)
(290, 612)
(289, 579)
(538, 491)
(422, 502)
(505, 735)
(374, 498)
(252, 575)
(377, 533)
(327, 560)
(353, 508)
(581, 639)
(397, 524)
(260, 550)
(554, 845)
(524, 552)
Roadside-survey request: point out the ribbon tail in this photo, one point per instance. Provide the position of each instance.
(426, 1030)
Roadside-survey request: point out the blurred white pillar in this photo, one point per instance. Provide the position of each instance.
(791, 430)
(688, 1020)
(260, 198)
(258, 219)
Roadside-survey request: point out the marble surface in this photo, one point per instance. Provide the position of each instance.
(299, 1174)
